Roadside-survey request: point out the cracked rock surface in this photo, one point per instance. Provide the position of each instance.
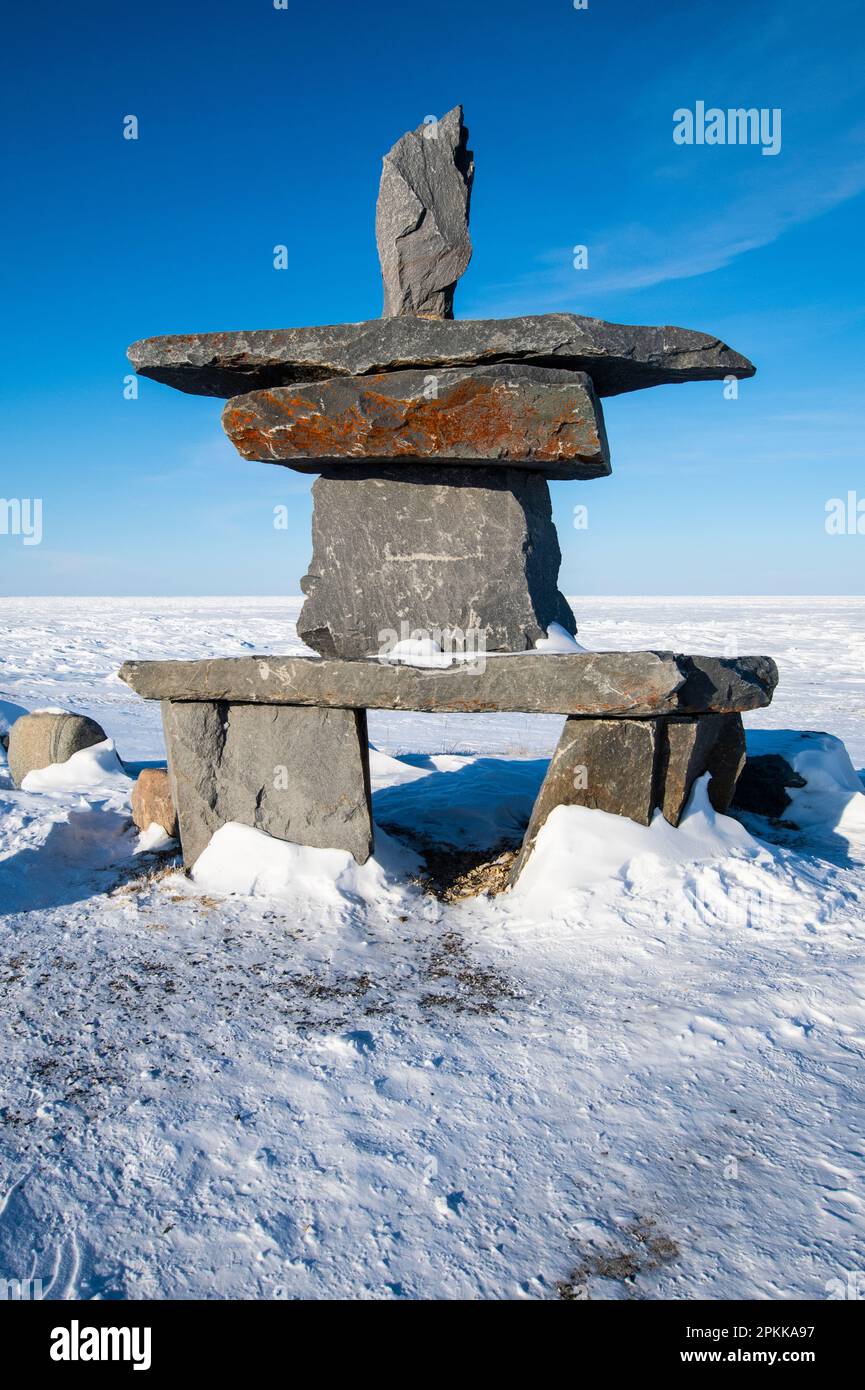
(617, 356)
(422, 218)
(466, 557)
(530, 417)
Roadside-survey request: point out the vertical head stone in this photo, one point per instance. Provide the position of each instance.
(422, 218)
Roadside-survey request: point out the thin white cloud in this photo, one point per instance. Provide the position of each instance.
(635, 257)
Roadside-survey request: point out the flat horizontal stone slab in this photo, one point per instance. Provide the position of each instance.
(541, 418)
(618, 357)
(614, 684)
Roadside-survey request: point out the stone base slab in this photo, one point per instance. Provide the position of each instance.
(624, 685)
(280, 743)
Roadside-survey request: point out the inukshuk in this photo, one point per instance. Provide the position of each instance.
(434, 439)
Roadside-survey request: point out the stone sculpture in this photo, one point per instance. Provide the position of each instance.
(434, 440)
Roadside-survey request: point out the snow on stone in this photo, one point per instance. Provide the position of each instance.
(154, 838)
(558, 639)
(92, 769)
(833, 797)
(577, 847)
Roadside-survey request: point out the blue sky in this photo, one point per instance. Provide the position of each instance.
(261, 126)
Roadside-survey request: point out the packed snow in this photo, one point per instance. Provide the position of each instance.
(558, 639)
(91, 770)
(636, 1075)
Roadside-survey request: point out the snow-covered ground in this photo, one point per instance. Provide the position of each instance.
(639, 1075)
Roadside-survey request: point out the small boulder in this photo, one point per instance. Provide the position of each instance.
(762, 786)
(48, 736)
(152, 802)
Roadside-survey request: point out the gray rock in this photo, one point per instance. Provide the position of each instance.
(529, 417)
(723, 685)
(40, 739)
(713, 743)
(763, 784)
(602, 764)
(422, 218)
(300, 775)
(632, 767)
(621, 684)
(468, 557)
(618, 357)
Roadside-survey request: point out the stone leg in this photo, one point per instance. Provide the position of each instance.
(432, 550)
(630, 767)
(694, 744)
(298, 773)
(604, 764)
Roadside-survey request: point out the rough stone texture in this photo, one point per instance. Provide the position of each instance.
(422, 218)
(603, 764)
(762, 785)
(152, 802)
(631, 767)
(40, 739)
(693, 745)
(620, 684)
(724, 685)
(469, 551)
(298, 774)
(618, 357)
(531, 417)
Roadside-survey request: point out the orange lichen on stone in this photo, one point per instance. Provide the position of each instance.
(487, 418)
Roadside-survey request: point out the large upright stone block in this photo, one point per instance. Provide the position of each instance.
(468, 551)
(297, 773)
